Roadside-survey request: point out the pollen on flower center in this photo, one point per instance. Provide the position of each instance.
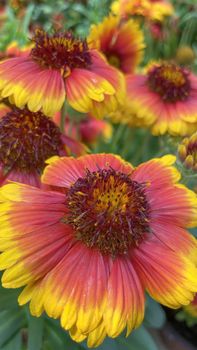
(60, 51)
(27, 140)
(170, 82)
(108, 211)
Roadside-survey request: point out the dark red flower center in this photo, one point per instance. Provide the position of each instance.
(60, 51)
(170, 81)
(27, 140)
(108, 211)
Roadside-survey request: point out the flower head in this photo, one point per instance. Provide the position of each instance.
(61, 67)
(156, 10)
(121, 43)
(165, 98)
(89, 250)
(27, 140)
(188, 151)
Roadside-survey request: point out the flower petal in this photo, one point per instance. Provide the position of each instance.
(64, 172)
(83, 86)
(75, 289)
(25, 82)
(169, 277)
(175, 204)
(125, 299)
(158, 172)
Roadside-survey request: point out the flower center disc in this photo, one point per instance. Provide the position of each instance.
(108, 211)
(60, 51)
(27, 140)
(170, 82)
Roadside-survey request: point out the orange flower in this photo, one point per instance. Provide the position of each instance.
(87, 252)
(61, 67)
(165, 98)
(121, 43)
(27, 140)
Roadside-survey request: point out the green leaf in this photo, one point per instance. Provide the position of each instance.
(10, 323)
(8, 299)
(108, 344)
(154, 315)
(27, 18)
(58, 337)
(35, 333)
(14, 344)
(140, 339)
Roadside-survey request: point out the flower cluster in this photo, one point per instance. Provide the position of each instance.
(87, 235)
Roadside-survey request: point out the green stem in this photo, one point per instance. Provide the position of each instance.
(63, 118)
(117, 135)
(128, 136)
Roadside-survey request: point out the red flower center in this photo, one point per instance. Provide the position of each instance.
(60, 51)
(170, 82)
(27, 140)
(108, 211)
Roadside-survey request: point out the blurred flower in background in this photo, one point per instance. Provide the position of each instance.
(88, 130)
(165, 97)
(14, 50)
(149, 9)
(187, 151)
(122, 43)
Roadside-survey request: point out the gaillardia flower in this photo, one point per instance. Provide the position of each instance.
(88, 251)
(187, 151)
(122, 43)
(27, 140)
(156, 10)
(61, 67)
(165, 98)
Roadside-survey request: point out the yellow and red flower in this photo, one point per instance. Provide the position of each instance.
(187, 151)
(165, 98)
(27, 140)
(156, 10)
(87, 252)
(122, 43)
(61, 67)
